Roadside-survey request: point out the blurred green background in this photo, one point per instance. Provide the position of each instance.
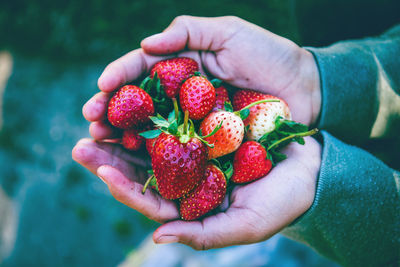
(55, 213)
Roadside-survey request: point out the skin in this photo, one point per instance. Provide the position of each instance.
(246, 56)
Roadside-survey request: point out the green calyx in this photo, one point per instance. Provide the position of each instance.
(216, 82)
(225, 165)
(151, 181)
(154, 88)
(285, 131)
(184, 128)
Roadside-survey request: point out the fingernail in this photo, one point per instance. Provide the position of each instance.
(167, 239)
(150, 39)
(99, 171)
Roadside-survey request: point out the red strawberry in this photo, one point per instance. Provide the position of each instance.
(129, 107)
(208, 195)
(221, 97)
(228, 138)
(132, 140)
(197, 96)
(178, 166)
(250, 162)
(150, 145)
(262, 116)
(172, 72)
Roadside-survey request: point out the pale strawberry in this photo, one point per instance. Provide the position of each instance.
(228, 138)
(262, 117)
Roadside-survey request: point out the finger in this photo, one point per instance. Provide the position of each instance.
(195, 55)
(96, 108)
(130, 193)
(100, 130)
(92, 155)
(127, 68)
(194, 33)
(232, 227)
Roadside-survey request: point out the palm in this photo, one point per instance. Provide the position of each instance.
(258, 210)
(125, 174)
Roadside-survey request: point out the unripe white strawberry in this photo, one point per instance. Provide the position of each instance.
(262, 117)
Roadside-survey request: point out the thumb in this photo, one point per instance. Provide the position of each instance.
(194, 33)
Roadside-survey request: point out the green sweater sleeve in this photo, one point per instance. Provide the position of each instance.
(360, 85)
(355, 217)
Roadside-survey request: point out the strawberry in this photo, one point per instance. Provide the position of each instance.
(178, 164)
(221, 97)
(131, 139)
(197, 96)
(208, 195)
(250, 162)
(172, 72)
(228, 138)
(129, 107)
(262, 116)
(150, 145)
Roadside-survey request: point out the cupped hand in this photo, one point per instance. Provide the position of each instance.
(255, 211)
(231, 49)
(245, 56)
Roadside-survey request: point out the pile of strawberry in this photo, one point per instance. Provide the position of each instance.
(205, 141)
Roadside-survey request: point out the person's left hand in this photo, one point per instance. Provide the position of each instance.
(255, 211)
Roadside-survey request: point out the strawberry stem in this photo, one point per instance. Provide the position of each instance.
(185, 122)
(175, 108)
(302, 134)
(256, 103)
(147, 184)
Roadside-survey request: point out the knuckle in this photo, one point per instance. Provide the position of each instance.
(182, 19)
(232, 19)
(201, 244)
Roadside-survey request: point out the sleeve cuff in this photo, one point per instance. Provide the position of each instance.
(354, 217)
(349, 98)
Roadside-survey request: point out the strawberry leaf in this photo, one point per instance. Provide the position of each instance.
(145, 83)
(171, 116)
(159, 121)
(285, 131)
(173, 127)
(216, 82)
(227, 168)
(244, 113)
(151, 134)
(228, 106)
(246, 129)
(153, 183)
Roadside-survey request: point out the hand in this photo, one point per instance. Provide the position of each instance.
(255, 212)
(231, 49)
(245, 56)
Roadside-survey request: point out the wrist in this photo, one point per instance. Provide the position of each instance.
(311, 84)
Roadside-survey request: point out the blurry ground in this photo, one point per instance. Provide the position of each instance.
(55, 213)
